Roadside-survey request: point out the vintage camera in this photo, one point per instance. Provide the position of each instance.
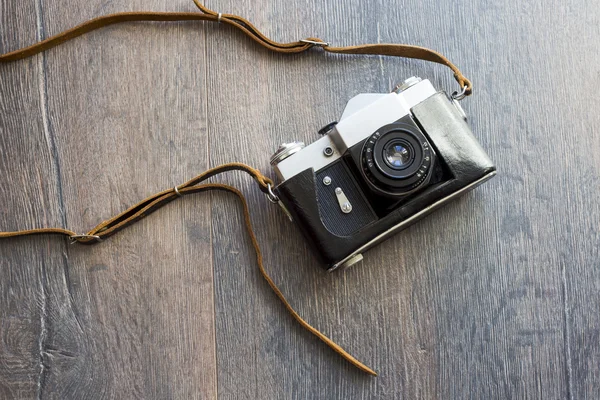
(391, 160)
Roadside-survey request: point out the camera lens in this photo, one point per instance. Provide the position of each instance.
(397, 160)
(398, 154)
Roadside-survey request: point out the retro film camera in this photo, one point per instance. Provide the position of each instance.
(391, 160)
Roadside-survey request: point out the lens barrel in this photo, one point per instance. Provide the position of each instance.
(397, 159)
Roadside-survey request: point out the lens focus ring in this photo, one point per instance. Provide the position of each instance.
(397, 159)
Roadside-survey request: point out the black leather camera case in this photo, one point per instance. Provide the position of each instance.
(337, 236)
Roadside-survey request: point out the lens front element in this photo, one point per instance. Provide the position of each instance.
(398, 154)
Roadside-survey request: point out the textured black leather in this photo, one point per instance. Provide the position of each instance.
(455, 145)
(333, 218)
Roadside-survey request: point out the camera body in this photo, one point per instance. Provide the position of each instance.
(391, 160)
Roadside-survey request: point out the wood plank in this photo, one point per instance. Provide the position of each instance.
(578, 239)
(470, 302)
(148, 292)
(27, 198)
(133, 316)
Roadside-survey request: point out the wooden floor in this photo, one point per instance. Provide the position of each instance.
(495, 296)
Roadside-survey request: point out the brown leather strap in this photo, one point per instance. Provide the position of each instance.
(154, 202)
(396, 50)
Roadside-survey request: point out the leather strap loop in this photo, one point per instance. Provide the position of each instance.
(154, 202)
(395, 50)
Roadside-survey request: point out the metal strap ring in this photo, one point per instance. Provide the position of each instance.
(459, 96)
(270, 195)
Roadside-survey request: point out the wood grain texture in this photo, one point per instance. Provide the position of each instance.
(123, 112)
(495, 296)
(470, 303)
(24, 263)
